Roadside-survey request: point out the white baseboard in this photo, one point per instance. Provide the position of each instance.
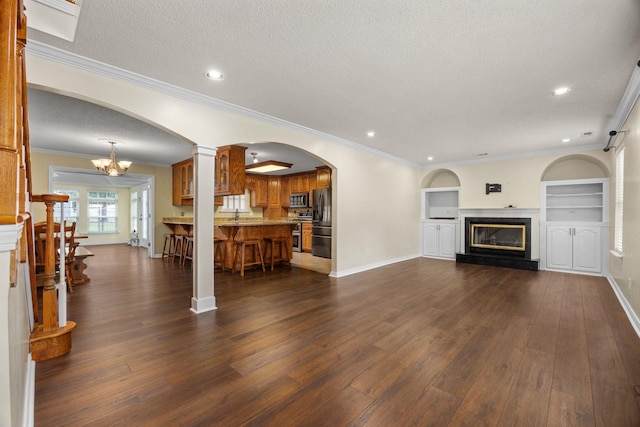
(631, 315)
(363, 268)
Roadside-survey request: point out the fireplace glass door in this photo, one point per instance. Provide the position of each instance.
(498, 236)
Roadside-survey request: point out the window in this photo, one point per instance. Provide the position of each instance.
(69, 209)
(233, 203)
(619, 207)
(103, 212)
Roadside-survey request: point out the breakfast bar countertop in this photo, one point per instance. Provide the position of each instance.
(231, 223)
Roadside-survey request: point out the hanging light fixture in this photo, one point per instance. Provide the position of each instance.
(255, 158)
(267, 166)
(110, 166)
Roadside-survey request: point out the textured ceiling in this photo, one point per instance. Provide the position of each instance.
(436, 78)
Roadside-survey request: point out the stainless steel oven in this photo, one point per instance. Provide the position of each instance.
(296, 238)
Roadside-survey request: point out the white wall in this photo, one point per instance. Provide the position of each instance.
(377, 199)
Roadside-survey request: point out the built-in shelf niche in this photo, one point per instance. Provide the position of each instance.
(575, 201)
(440, 203)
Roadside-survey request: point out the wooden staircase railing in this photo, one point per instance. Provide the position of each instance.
(52, 334)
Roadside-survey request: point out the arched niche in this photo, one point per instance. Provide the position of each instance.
(440, 178)
(575, 166)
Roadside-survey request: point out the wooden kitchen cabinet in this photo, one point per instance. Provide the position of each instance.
(258, 187)
(274, 191)
(274, 209)
(300, 183)
(323, 176)
(313, 184)
(182, 183)
(306, 236)
(285, 191)
(230, 170)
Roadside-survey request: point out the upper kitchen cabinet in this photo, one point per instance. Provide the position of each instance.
(285, 190)
(183, 183)
(300, 183)
(230, 170)
(323, 177)
(258, 187)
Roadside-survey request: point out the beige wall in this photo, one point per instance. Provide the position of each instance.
(162, 196)
(520, 178)
(626, 270)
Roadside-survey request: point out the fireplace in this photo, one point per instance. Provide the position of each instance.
(498, 241)
(509, 237)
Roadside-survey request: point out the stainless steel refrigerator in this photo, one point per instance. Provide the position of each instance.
(321, 230)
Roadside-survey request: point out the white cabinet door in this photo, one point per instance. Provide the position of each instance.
(560, 247)
(447, 240)
(587, 242)
(430, 239)
(439, 239)
(574, 248)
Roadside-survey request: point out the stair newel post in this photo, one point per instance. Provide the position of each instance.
(51, 339)
(49, 293)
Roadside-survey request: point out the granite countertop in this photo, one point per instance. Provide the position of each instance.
(231, 223)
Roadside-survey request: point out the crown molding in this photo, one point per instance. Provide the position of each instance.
(488, 159)
(54, 54)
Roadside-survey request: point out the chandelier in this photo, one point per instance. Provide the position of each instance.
(110, 166)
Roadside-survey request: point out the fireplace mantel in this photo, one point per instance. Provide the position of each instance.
(501, 212)
(532, 213)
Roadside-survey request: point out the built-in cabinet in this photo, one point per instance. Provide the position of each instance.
(258, 187)
(299, 183)
(306, 236)
(574, 227)
(229, 176)
(230, 170)
(183, 184)
(574, 248)
(440, 238)
(323, 177)
(440, 234)
(285, 191)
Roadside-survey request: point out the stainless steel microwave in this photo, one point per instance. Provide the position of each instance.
(299, 200)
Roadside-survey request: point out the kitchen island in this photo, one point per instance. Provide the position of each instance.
(243, 229)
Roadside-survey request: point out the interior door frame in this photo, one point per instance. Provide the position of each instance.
(128, 181)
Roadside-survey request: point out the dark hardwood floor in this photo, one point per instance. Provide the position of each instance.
(418, 343)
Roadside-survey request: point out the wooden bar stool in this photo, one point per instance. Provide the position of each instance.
(218, 253)
(187, 252)
(169, 245)
(277, 242)
(240, 246)
(178, 248)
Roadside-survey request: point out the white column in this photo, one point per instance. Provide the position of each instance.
(204, 163)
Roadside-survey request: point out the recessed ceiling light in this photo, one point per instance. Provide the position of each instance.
(214, 75)
(430, 158)
(566, 139)
(561, 91)
(371, 134)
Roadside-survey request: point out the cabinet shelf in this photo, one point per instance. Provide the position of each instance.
(575, 195)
